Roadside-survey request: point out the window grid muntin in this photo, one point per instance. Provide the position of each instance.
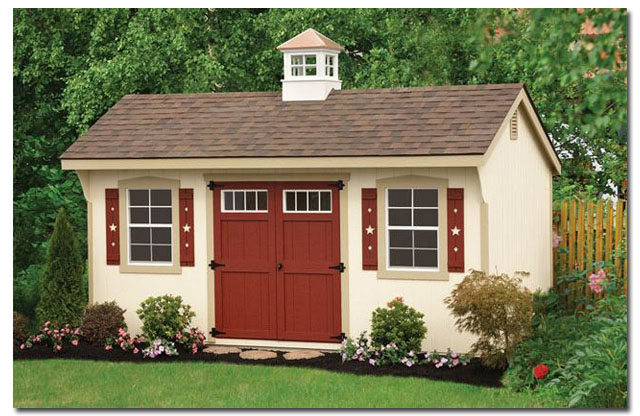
(308, 191)
(300, 69)
(223, 202)
(150, 225)
(412, 227)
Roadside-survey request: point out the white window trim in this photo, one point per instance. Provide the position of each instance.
(149, 225)
(223, 207)
(333, 65)
(304, 65)
(389, 228)
(284, 201)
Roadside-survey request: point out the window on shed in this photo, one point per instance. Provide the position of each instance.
(412, 228)
(150, 225)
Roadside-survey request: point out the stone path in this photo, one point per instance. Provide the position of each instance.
(302, 355)
(257, 355)
(221, 350)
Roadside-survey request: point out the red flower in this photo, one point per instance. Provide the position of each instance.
(540, 371)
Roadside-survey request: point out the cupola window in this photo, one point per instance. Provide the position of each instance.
(303, 65)
(329, 65)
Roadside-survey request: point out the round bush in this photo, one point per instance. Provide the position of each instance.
(101, 322)
(399, 324)
(164, 316)
(20, 328)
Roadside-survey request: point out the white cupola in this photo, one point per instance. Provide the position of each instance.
(310, 67)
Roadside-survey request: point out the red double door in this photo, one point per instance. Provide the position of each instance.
(277, 261)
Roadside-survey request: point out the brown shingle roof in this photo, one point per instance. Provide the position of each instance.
(452, 120)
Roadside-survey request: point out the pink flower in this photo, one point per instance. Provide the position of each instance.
(58, 347)
(77, 331)
(75, 342)
(47, 323)
(178, 335)
(21, 346)
(108, 347)
(596, 280)
(556, 240)
(135, 350)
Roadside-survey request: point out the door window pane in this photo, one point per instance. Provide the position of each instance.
(262, 200)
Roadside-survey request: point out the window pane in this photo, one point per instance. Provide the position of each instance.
(262, 201)
(291, 201)
(138, 197)
(309, 59)
(399, 197)
(426, 258)
(400, 238)
(399, 257)
(161, 235)
(425, 217)
(140, 253)
(325, 201)
(251, 201)
(161, 215)
(296, 71)
(296, 60)
(238, 197)
(314, 201)
(400, 217)
(161, 253)
(140, 235)
(425, 198)
(139, 215)
(228, 200)
(310, 70)
(301, 201)
(161, 197)
(425, 239)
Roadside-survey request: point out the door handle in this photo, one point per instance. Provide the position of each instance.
(279, 266)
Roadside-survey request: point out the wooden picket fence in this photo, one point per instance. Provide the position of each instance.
(590, 232)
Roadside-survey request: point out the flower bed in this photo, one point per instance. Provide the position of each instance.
(473, 373)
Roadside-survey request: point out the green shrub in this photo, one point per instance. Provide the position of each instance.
(62, 299)
(20, 328)
(164, 316)
(398, 324)
(101, 322)
(496, 308)
(586, 354)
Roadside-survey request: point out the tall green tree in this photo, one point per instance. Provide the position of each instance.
(63, 292)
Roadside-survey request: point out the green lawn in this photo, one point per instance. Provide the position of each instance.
(67, 383)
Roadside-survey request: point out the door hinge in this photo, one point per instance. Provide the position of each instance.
(338, 184)
(341, 336)
(215, 264)
(212, 185)
(215, 332)
(339, 267)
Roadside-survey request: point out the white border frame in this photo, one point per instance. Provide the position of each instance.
(389, 228)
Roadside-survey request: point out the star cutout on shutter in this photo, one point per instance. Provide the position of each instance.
(455, 230)
(186, 228)
(369, 229)
(113, 227)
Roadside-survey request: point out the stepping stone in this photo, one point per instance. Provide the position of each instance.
(257, 355)
(303, 355)
(221, 350)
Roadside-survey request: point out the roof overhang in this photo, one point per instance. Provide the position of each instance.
(346, 162)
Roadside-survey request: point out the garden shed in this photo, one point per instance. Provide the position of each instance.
(285, 218)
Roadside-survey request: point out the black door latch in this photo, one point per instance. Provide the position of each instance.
(215, 332)
(339, 267)
(214, 264)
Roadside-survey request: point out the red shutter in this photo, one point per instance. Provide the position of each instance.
(186, 227)
(369, 229)
(455, 229)
(113, 226)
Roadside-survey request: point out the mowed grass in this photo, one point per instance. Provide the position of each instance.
(78, 383)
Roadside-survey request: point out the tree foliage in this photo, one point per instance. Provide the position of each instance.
(63, 293)
(71, 65)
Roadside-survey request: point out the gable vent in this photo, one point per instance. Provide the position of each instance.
(513, 126)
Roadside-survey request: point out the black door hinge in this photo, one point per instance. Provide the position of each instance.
(212, 185)
(339, 267)
(341, 336)
(215, 332)
(338, 184)
(214, 264)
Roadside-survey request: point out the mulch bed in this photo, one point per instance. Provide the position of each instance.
(473, 373)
